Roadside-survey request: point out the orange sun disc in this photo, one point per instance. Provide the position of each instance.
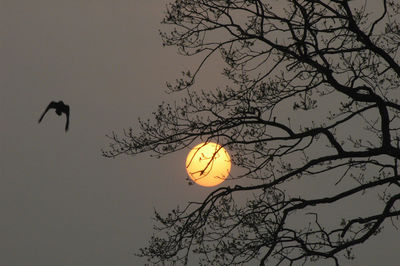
(208, 164)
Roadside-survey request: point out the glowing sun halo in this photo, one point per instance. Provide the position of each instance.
(208, 164)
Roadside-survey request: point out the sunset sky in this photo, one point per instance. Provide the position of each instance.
(61, 202)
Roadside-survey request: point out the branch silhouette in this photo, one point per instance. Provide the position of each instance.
(312, 95)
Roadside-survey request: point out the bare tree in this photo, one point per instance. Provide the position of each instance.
(312, 98)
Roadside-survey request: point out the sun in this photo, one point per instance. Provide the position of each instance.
(208, 164)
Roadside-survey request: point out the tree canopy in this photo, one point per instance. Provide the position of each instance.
(312, 98)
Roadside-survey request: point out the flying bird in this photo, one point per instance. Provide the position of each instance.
(61, 108)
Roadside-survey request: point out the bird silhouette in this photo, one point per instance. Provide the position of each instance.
(61, 108)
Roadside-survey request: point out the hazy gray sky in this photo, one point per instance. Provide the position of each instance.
(61, 203)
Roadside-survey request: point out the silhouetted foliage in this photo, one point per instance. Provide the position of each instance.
(311, 102)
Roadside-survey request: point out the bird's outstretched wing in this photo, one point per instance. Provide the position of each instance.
(66, 111)
(51, 105)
